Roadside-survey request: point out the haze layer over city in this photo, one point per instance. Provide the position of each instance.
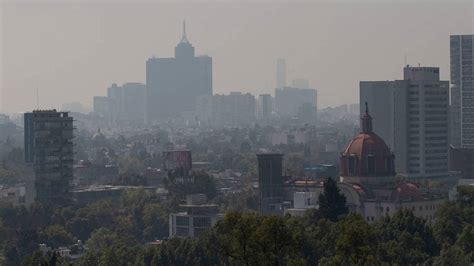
(72, 50)
(237, 133)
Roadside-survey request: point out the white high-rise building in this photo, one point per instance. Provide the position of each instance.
(462, 90)
(411, 115)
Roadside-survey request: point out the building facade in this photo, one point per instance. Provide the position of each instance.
(174, 84)
(127, 103)
(292, 102)
(462, 160)
(462, 90)
(49, 146)
(197, 217)
(264, 107)
(369, 183)
(270, 183)
(235, 109)
(412, 116)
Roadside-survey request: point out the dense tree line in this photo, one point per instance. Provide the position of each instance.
(115, 234)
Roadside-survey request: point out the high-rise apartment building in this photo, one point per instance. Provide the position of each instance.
(462, 90)
(49, 146)
(264, 107)
(174, 84)
(290, 101)
(281, 73)
(270, 183)
(127, 103)
(412, 116)
(235, 109)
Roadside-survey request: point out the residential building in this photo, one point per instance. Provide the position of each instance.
(197, 217)
(270, 183)
(49, 147)
(462, 160)
(264, 107)
(126, 103)
(412, 116)
(462, 90)
(291, 102)
(101, 106)
(235, 109)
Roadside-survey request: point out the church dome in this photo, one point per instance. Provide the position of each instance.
(406, 191)
(367, 154)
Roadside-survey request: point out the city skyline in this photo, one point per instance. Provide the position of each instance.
(97, 42)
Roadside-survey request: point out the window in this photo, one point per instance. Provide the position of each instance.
(202, 222)
(371, 164)
(182, 221)
(352, 165)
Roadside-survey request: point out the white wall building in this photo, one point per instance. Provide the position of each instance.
(411, 115)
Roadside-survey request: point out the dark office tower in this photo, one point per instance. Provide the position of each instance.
(174, 84)
(281, 73)
(270, 183)
(49, 146)
(462, 91)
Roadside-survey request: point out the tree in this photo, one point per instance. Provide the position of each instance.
(355, 243)
(155, 220)
(56, 236)
(234, 238)
(405, 239)
(108, 248)
(332, 204)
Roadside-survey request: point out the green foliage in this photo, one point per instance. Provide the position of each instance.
(454, 229)
(355, 243)
(405, 239)
(116, 232)
(246, 200)
(106, 247)
(332, 204)
(56, 236)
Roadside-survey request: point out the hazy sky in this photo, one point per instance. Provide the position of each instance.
(73, 50)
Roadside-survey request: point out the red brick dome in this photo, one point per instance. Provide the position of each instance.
(367, 154)
(406, 191)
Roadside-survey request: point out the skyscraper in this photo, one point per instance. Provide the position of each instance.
(127, 103)
(289, 101)
(49, 146)
(270, 183)
(412, 116)
(264, 107)
(281, 73)
(462, 90)
(235, 109)
(173, 84)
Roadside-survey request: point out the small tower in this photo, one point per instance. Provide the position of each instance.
(184, 49)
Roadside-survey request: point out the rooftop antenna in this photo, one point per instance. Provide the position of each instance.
(405, 59)
(37, 98)
(184, 38)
